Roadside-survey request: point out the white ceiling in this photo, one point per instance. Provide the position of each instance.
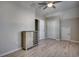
(59, 6)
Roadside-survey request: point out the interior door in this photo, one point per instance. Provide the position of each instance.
(53, 27)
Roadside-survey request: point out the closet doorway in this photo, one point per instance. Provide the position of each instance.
(36, 32)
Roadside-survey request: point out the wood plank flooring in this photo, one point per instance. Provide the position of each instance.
(50, 48)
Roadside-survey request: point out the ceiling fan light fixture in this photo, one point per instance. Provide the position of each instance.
(50, 4)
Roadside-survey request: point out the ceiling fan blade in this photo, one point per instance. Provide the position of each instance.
(56, 2)
(41, 6)
(53, 6)
(42, 3)
(45, 7)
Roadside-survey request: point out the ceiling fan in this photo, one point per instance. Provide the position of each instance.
(49, 4)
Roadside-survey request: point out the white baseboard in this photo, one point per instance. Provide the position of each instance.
(6, 53)
(73, 41)
(67, 40)
(57, 39)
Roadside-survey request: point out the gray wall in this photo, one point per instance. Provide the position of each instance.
(69, 23)
(13, 19)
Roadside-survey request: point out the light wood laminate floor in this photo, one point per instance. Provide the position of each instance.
(50, 48)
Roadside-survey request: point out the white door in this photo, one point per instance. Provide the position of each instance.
(53, 28)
